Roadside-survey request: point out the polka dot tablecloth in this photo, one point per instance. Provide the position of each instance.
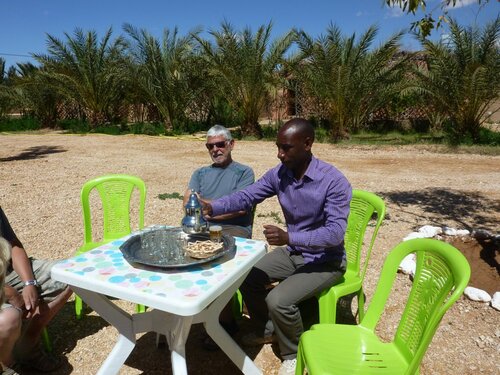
(106, 270)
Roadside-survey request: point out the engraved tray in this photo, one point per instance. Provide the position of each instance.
(164, 247)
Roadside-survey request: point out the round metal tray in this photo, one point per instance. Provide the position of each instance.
(164, 247)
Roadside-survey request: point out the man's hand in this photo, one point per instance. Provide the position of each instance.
(30, 297)
(206, 208)
(275, 235)
(15, 299)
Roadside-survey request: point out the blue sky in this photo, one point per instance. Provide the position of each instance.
(25, 23)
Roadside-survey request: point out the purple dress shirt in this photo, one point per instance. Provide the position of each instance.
(315, 207)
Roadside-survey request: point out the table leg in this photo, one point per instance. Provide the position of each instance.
(118, 318)
(210, 318)
(176, 329)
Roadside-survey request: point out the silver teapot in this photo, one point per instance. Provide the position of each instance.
(193, 221)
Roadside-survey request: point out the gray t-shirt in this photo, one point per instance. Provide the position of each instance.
(213, 182)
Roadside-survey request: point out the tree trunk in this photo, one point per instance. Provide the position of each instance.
(251, 129)
(167, 124)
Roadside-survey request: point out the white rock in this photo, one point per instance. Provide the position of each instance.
(449, 231)
(495, 301)
(463, 232)
(476, 294)
(408, 265)
(429, 231)
(413, 235)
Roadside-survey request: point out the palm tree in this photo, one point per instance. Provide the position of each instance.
(462, 79)
(30, 91)
(7, 89)
(164, 71)
(346, 77)
(245, 68)
(87, 71)
(3, 89)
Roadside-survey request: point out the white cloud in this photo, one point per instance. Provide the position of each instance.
(394, 12)
(445, 37)
(461, 4)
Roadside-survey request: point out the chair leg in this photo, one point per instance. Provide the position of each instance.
(300, 366)
(46, 341)
(327, 302)
(78, 307)
(140, 308)
(237, 305)
(361, 304)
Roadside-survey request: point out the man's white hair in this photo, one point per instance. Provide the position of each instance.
(219, 130)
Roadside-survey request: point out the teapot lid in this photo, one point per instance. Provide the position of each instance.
(193, 201)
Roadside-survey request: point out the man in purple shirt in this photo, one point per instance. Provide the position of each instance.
(315, 199)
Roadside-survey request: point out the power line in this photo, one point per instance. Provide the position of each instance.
(13, 54)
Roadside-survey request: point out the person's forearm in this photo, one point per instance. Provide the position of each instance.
(319, 238)
(245, 199)
(22, 264)
(230, 215)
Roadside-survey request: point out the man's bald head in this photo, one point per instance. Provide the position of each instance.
(294, 141)
(299, 127)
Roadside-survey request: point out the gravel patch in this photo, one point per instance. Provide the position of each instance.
(41, 176)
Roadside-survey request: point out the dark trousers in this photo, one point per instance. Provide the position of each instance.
(276, 310)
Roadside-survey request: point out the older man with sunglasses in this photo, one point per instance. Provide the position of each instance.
(224, 176)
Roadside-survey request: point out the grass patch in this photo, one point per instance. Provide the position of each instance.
(174, 195)
(394, 138)
(274, 215)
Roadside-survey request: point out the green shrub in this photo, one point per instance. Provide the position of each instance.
(74, 125)
(420, 125)
(148, 128)
(489, 137)
(486, 137)
(111, 129)
(322, 135)
(190, 127)
(18, 124)
(270, 132)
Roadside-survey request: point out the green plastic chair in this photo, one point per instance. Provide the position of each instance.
(442, 273)
(115, 191)
(363, 206)
(47, 344)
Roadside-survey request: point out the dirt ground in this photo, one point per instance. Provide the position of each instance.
(41, 176)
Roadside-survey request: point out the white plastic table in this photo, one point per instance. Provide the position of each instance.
(176, 298)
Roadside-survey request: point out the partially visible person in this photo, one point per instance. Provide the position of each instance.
(30, 289)
(10, 317)
(315, 199)
(224, 176)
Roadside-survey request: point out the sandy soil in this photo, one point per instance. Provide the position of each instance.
(41, 176)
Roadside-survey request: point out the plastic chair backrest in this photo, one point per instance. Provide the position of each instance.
(442, 273)
(363, 205)
(115, 192)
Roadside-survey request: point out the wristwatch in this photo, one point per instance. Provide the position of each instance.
(31, 282)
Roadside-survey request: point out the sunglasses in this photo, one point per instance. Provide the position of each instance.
(221, 144)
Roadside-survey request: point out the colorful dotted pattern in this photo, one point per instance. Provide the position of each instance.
(106, 264)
